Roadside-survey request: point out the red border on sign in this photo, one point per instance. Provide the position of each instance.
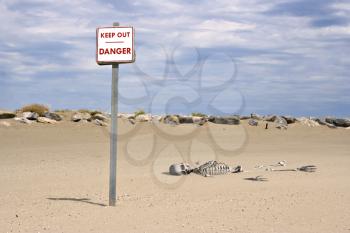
(116, 62)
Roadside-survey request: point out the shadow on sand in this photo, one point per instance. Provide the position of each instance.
(84, 200)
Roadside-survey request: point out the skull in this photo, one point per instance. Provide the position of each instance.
(178, 169)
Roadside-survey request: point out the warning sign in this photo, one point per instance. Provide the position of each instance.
(114, 45)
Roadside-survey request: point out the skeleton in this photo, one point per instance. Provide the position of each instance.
(209, 168)
(213, 167)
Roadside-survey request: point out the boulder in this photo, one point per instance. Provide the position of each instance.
(79, 116)
(253, 122)
(99, 122)
(256, 117)
(338, 122)
(228, 120)
(23, 120)
(308, 122)
(290, 119)
(143, 118)
(171, 120)
(7, 115)
(126, 115)
(199, 120)
(46, 120)
(53, 116)
(270, 118)
(100, 117)
(281, 123)
(186, 119)
(321, 121)
(33, 116)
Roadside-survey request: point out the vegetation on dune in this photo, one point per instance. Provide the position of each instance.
(38, 108)
(198, 114)
(139, 112)
(91, 112)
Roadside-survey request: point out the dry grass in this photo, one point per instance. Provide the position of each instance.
(139, 112)
(198, 114)
(38, 108)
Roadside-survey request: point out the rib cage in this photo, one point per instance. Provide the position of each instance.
(213, 168)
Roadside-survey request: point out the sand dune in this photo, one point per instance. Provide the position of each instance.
(54, 178)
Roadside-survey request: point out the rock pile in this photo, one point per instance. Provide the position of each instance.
(228, 120)
(30, 117)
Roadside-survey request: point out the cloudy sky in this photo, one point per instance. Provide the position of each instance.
(217, 57)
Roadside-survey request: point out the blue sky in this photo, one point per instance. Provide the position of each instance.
(217, 57)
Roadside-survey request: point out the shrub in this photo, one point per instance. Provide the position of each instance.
(139, 112)
(198, 114)
(93, 113)
(38, 108)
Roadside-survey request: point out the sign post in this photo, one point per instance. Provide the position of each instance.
(114, 45)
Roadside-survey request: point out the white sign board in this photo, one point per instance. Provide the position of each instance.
(114, 45)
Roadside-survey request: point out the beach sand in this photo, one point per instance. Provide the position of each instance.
(54, 178)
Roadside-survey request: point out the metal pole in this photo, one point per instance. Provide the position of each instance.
(113, 136)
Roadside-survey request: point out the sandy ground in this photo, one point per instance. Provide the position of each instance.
(54, 178)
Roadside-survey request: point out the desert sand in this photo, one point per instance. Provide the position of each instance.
(54, 178)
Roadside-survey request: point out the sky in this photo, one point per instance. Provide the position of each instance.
(288, 57)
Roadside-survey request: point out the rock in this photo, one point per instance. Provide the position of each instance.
(281, 123)
(199, 120)
(186, 119)
(270, 118)
(308, 122)
(338, 122)
(5, 123)
(7, 115)
(253, 122)
(99, 122)
(53, 116)
(244, 117)
(321, 121)
(229, 120)
(126, 116)
(23, 120)
(79, 116)
(46, 120)
(256, 117)
(290, 119)
(156, 118)
(100, 117)
(171, 120)
(30, 115)
(143, 118)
